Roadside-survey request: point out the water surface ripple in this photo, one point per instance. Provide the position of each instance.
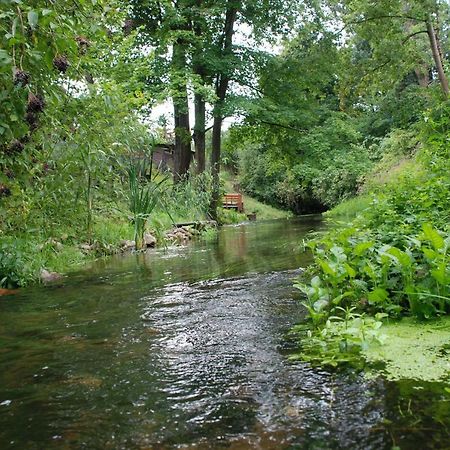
(188, 348)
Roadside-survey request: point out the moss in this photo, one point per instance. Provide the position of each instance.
(414, 350)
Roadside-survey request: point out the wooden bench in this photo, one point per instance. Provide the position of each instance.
(233, 201)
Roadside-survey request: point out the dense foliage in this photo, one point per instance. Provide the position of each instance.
(70, 126)
(316, 123)
(392, 260)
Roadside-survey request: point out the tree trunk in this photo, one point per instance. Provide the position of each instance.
(182, 152)
(221, 92)
(437, 58)
(199, 99)
(422, 74)
(215, 165)
(422, 70)
(199, 132)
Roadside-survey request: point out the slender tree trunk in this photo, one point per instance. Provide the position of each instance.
(422, 75)
(215, 165)
(200, 133)
(221, 92)
(437, 58)
(199, 99)
(421, 70)
(182, 152)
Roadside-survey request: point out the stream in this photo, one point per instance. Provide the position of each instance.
(188, 347)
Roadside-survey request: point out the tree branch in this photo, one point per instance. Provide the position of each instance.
(387, 16)
(279, 125)
(412, 35)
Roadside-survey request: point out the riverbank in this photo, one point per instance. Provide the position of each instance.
(261, 210)
(65, 248)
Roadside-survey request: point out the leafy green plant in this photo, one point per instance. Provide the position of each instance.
(391, 260)
(143, 196)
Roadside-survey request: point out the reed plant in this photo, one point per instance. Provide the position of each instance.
(144, 196)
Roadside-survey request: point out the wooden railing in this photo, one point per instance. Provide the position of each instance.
(233, 201)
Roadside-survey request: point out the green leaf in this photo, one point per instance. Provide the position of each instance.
(315, 282)
(440, 274)
(400, 256)
(362, 247)
(350, 270)
(4, 57)
(430, 254)
(378, 295)
(437, 241)
(33, 18)
(326, 268)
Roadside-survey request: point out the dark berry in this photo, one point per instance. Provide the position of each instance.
(21, 78)
(89, 78)
(83, 44)
(35, 103)
(5, 191)
(32, 120)
(128, 27)
(16, 146)
(60, 63)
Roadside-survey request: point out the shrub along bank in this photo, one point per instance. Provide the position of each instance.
(66, 242)
(392, 260)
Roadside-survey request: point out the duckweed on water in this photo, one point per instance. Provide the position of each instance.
(404, 350)
(412, 350)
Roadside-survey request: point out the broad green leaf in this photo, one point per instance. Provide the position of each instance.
(33, 18)
(339, 253)
(350, 270)
(430, 254)
(362, 247)
(378, 295)
(400, 256)
(315, 282)
(326, 268)
(437, 241)
(4, 57)
(320, 305)
(369, 270)
(440, 274)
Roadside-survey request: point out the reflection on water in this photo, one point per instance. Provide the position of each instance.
(188, 349)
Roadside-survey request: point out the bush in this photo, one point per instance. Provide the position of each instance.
(393, 258)
(326, 167)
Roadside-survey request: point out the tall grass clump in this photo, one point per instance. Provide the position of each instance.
(143, 196)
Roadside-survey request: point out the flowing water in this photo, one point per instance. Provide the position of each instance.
(188, 348)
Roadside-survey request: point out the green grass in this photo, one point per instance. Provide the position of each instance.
(350, 208)
(387, 172)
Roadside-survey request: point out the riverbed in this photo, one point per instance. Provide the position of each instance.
(188, 347)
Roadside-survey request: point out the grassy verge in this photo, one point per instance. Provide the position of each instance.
(251, 205)
(350, 208)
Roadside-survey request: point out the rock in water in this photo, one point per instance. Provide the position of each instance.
(149, 240)
(127, 245)
(48, 277)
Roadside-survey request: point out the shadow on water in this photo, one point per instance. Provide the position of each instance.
(187, 348)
